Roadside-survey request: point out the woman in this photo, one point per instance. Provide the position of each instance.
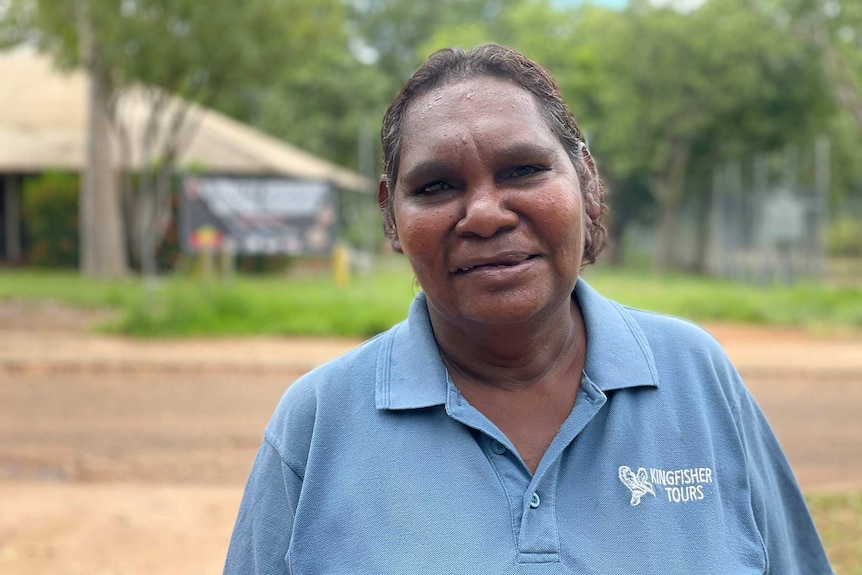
(517, 421)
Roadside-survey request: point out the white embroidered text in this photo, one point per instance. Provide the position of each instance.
(682, 485)
(679, 485)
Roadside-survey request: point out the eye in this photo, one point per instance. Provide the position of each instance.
(524, 171)
(432, 188)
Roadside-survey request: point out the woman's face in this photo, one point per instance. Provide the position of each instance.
(487, 206)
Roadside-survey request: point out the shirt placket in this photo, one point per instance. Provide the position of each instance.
(532, 498)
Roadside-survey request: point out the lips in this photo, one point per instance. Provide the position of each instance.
(497, 261)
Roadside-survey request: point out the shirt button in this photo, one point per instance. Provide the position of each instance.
(498, 447)
(534, 500)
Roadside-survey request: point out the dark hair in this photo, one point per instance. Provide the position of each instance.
(454, 64)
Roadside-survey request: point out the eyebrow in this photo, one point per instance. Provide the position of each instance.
(519, 152)
(426, 170)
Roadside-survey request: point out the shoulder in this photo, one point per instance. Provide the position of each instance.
(687, 357)
(628, 347)
(670, 332)
(324, 396)
(623, 328)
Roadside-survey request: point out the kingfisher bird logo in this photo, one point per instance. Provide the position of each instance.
(636, 482)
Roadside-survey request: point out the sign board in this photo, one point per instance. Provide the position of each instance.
(783, 219)
(256, 215)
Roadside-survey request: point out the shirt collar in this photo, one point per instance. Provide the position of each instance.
(411, 374)
(618, 354)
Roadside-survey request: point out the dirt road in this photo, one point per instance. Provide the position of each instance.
(126, 457)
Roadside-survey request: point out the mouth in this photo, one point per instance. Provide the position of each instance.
(506, 261)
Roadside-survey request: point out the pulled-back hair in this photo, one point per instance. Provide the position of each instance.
(452, 65)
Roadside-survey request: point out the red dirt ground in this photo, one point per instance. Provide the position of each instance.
(127, 457)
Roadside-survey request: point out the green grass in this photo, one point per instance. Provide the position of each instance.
(273, 306)
(815, 306)
(838, 517)
(246, 305)
(68, 287)
(311, 304)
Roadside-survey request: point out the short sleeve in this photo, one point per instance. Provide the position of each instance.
(789, 536)
(262, 533)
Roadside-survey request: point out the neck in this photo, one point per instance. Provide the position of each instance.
(514, 357)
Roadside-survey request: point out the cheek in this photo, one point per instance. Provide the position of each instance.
(420, 229)
(569, 217)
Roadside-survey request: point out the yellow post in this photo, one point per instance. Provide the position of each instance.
(340, 264)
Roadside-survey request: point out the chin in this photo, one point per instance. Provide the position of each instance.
(495, 313)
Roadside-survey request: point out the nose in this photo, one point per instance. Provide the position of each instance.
(485, 212)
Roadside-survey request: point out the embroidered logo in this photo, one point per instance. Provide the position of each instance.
(636, 482)
(685, 485)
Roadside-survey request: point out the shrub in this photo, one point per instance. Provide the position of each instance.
(844, 237)
(50, 208)
(263, 264)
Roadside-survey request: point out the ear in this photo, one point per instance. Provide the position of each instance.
(591, 186)
(384, 200)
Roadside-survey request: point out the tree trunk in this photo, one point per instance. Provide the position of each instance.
(171, 126)
(616, 225)
(102, 243)
(812, 29)
(702, 240)
(668, 188)
(668, 216)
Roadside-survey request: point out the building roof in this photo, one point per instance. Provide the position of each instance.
(43, 118)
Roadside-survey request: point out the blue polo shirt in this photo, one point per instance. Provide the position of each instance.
(374, 463)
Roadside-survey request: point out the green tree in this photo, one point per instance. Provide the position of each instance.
(396, 31)
(675, 89)
(834, 29)
(332, 100)
(171, 55)
(319, 94)
(68, 29)
(662, 94)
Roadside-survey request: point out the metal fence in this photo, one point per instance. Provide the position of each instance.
(769, 218)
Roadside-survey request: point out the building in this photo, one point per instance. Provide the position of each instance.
(42, 128)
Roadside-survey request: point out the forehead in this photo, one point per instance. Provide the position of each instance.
(476, 93)
(479, 105)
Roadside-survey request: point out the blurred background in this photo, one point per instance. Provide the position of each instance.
(725, 130)
(188, 193)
